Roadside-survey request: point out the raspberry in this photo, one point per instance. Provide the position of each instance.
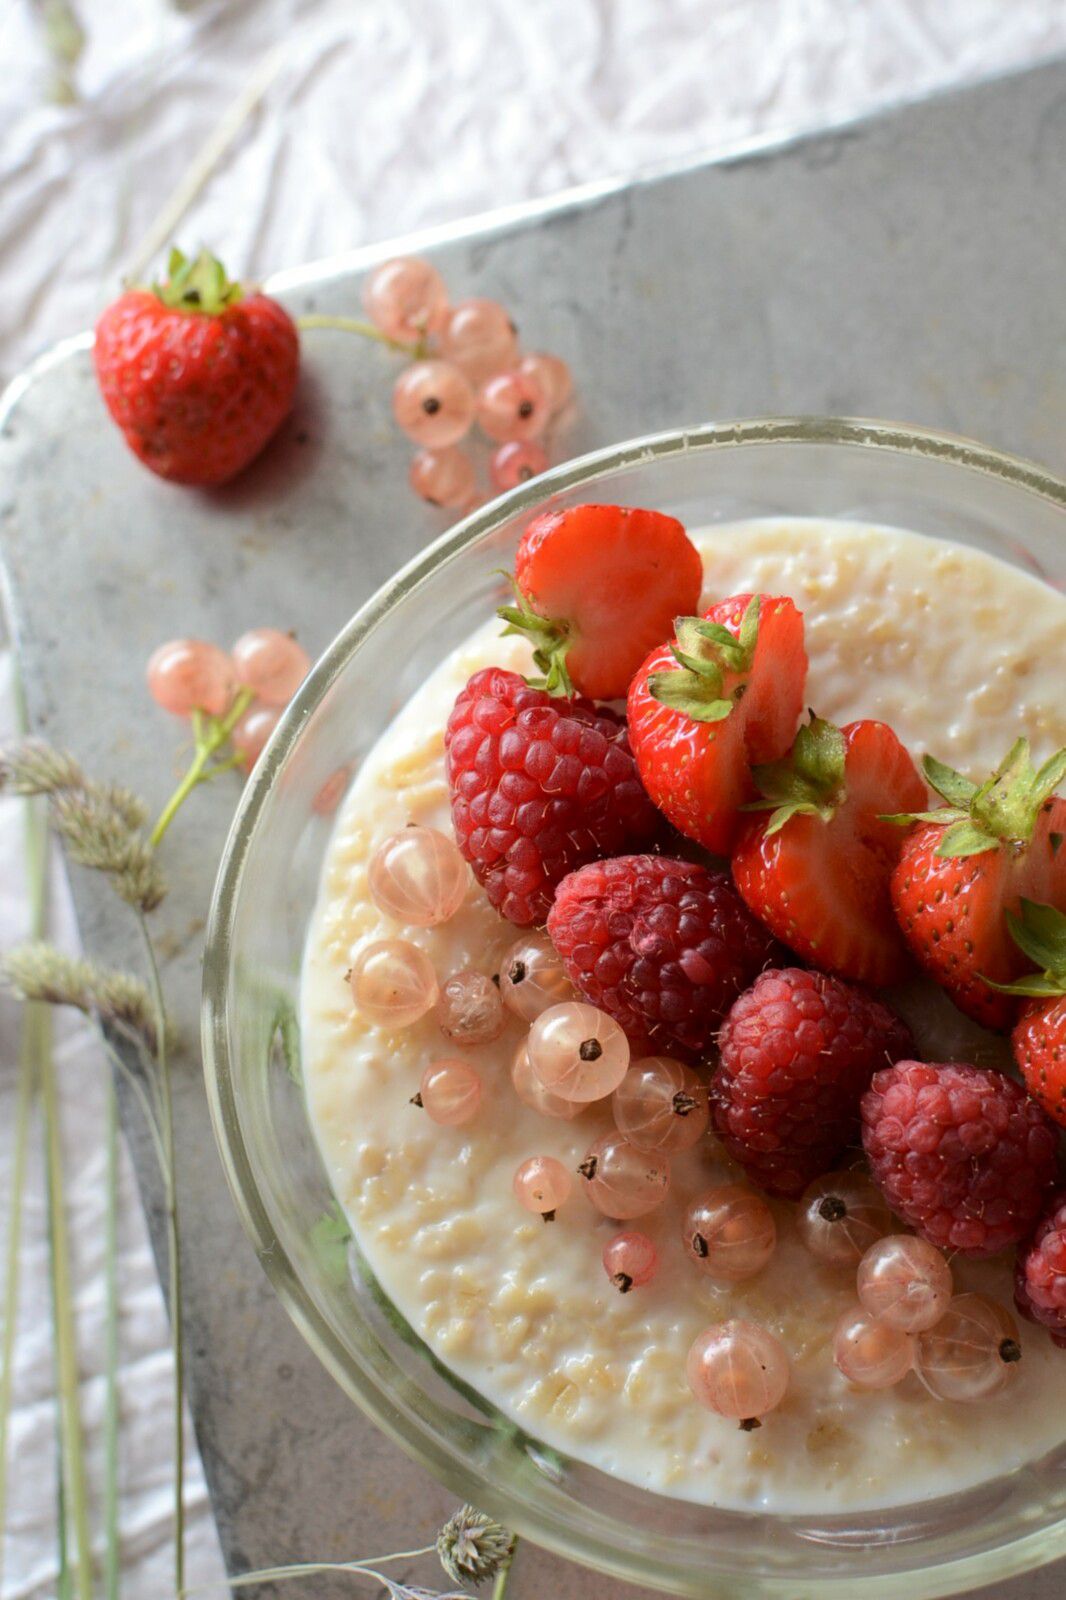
(798, 1049)
(961, 1153)
(663, 946)
(539, 785)
(1040, 1276)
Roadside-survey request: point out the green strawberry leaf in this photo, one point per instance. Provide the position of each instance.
(785, 813)
(1040, 933)
(809, 781)
(675, 689)
(955, 789)
(944, 814)
(965, 839)
(1037, 986)
(550, 639)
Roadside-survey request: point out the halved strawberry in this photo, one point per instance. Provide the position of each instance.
(727, 693)
(965, 866)
(597, 587)
(817, 868)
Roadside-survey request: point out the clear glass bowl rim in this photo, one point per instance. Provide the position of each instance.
(1021, 1554)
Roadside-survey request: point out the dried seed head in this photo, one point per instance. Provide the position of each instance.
(472, 1547)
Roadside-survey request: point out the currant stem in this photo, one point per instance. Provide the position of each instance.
(366, 330)
(503, 1577)
(210, 737)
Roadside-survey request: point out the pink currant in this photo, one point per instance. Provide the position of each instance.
(516, 463)
(630, 1260)
(840, 1215)
(905, 1283)
(418, 877)
(622, 1181)
(271, 664)
(661, 1105)
(578, 1052)
(393, 983)
(450, 1093)
(551, 375)
(187, 675)
(738, 1369)
(406, 299)
(542, 1185)
(479, 337)
(972, 1352)
(469, 1010)
(511, 406)
(869, 1353)
(532, 977)
(433, 404)
(729, 1232)
(532, 1092)
(443, 477)
(252, 731)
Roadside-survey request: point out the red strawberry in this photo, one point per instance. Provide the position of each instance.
(817, 868)
(965, 865)
(597, 588)
(728, 692)
(197, 374)
(1039, 1036)
(539, 786)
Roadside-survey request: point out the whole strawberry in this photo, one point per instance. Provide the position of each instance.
(816, 864)
(960, 1153)
(198, 374)
(1039, 1036)
(664, 946)
(597, 587)
(797, 1051)
(539, 785)
(726, 693)
(1040, 1273)
(963, 867)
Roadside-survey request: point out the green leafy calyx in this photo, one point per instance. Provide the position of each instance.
(1040, 934)
(1002, 810)
(199, 284)
(808, 782)
(705, 653)
(549, 636)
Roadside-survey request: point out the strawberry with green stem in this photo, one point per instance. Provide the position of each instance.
(198, 371)
(967, 864)
(725, 694)
(596, 588)
(1039, 1036)
(814, 863)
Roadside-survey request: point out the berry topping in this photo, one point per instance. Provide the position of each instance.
(577, 1052)
(542, 1184)
(630, 1260)
(469, 1008)
(960, 1153)
(840, 1216)
(797, 1052)
(418, 877)
(539, 785)
(597, 588)
(1040, 1277)
(729, 1233)
(450, 1093)
(871, 1354)
(1039, 1036)
(728, 692)
(661, 1105)
(622, 1181)
(963, 866)
(816, 866)
(972, 1352)
(392, 983)
(664, 946)
(532, 977)
(198, 373)
(738, 1369)
(904, 1282)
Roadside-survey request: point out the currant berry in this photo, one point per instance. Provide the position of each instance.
(433, 404)
(630, 1260)
(511, 406)
(393, 983)
(187, 675)
(542, 1184)
(450, 1093)
(578, 1052)
(905, 1283)
(972, 1352)
(622, 1181)
(270, 663)
(418, 877)
(532, 977)
(738, 1369)
(661, 1105)
(406, 299)
(840, 1216)
(729, 1232)
(469, 1009)
(869, 1353)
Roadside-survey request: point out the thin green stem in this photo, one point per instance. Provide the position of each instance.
(503, 1576)
(147, 1110)
(111, 1539)
(306, 1569)
(73, 1462)
(210, 739)
(365, 330)
(173, 1253)
(23, 1101)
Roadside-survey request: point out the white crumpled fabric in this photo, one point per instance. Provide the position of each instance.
(380, 116)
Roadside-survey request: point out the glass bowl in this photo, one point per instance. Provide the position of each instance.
(931, 483)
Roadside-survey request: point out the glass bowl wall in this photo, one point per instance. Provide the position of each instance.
(933, 484)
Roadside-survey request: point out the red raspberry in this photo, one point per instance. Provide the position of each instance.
(1040, 1275)
(798, 1049)
(664, 946)
(539, 785)
(961, 1153)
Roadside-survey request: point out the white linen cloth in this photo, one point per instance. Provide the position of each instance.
(381, 116)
